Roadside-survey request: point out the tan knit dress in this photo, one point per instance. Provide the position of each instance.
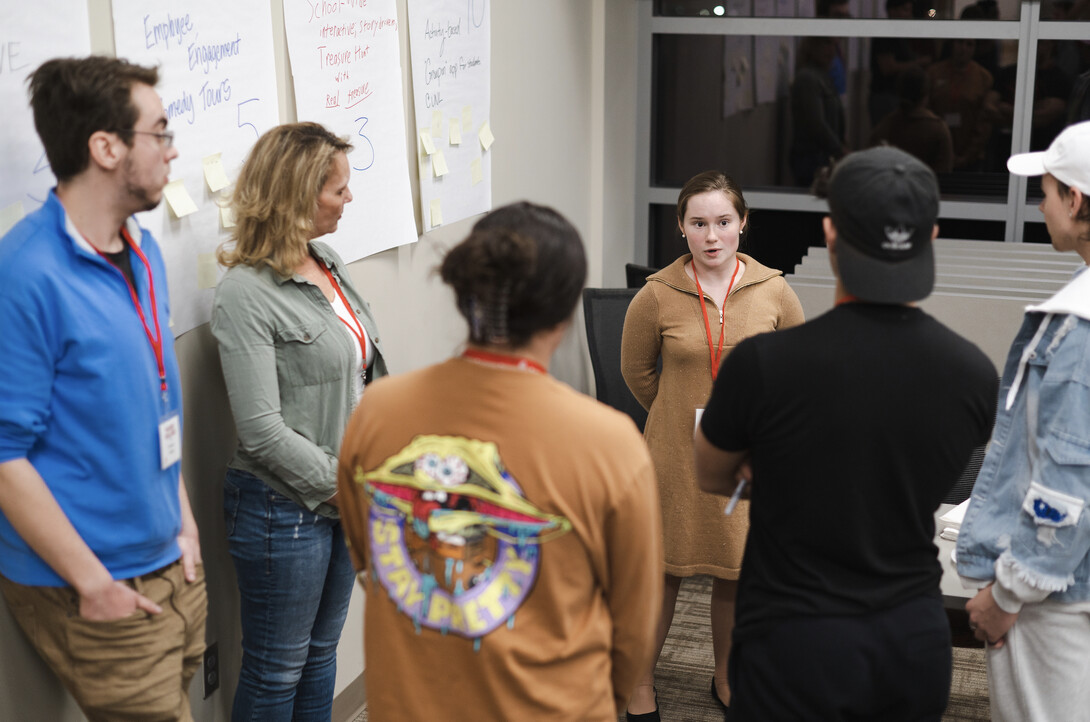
(665, 318)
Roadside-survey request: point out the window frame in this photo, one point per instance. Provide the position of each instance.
(1015, 212)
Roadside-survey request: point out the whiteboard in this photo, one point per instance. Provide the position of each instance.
(218, 85)
(346, 71)
(27, 39)
(450, 45)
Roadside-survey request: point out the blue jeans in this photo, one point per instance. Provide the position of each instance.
(295, 581)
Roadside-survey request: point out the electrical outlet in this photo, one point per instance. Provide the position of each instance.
(211, 669)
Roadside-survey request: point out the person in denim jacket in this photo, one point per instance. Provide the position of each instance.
(1026, 538)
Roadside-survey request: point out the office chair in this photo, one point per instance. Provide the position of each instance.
(604, 310)
(635, 275)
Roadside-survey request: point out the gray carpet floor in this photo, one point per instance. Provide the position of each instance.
(683, 677)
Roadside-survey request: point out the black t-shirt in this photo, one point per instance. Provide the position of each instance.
(123, 262)
(858, 424)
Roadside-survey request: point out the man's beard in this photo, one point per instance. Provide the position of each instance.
(137, 193)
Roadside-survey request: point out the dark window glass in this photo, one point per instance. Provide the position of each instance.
(772, 112)
(1060, 96)
(1064, 10)
(1035, 233)
(1034, 193)
(973, 230)
(896, 9)
(1061, 93)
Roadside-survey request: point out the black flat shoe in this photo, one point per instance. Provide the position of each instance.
(715, 696)
(652, 716)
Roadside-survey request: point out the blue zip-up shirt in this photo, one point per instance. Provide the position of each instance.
(80, 395)
(1027, 526)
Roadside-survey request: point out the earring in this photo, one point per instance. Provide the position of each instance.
(682, 235)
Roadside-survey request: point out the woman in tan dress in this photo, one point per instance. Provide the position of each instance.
(691, 314)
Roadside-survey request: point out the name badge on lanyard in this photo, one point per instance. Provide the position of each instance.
(170, 440)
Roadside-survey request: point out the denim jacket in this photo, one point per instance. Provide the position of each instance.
(1025, 526)
(287, 363)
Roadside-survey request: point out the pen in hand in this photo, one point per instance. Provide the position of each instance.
(735, 497)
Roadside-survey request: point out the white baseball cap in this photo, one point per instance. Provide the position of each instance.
(1067, 159)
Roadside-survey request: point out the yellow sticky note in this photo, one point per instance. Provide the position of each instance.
(179, 200)
(455, 132)
(436, 213)
(425, 140)
(10, 216)
(475, 171)
(467, 118)
(227, 217)
(485, 134)
(439, 164)
(214, 175)
(437, 124)
(207, 274)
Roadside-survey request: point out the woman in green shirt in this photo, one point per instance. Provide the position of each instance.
(297, 344)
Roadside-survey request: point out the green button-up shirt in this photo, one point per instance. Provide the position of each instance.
(288, 365)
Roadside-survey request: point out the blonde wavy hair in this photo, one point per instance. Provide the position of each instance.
(275, 197)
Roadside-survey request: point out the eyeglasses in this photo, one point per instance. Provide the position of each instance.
(166, 138)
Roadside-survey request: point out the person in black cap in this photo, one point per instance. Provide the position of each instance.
(849, 430)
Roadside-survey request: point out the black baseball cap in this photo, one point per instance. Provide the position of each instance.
(884, 204)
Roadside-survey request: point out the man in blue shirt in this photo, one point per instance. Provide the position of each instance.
(99, 552)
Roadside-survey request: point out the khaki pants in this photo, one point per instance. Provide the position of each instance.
(136, 668)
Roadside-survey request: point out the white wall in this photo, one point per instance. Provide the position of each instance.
(563, 93)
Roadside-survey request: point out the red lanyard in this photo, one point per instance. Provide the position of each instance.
(156, 341)
(519, 362)
(357, 328)
(713, 352)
